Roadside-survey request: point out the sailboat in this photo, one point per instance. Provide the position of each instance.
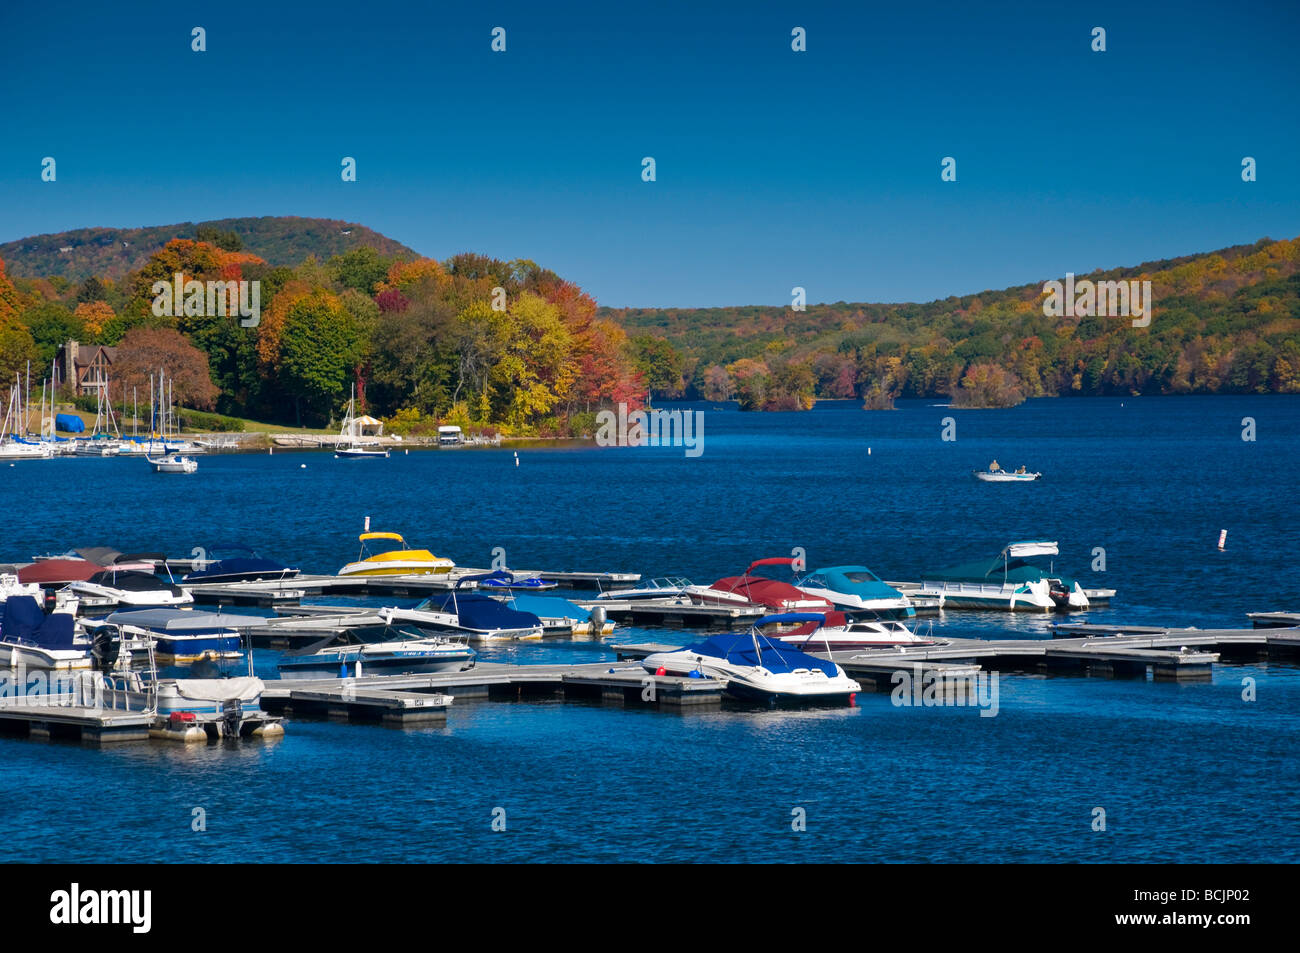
(354, 449)
(171, 460)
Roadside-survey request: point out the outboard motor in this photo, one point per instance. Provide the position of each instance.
(105, 646)
(232, 716)
(51, 600)
(597, 620)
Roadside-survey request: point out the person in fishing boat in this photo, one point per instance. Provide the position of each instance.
(1020, 470)
(993, 467)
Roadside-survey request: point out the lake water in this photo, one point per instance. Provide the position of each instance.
(1184, 772)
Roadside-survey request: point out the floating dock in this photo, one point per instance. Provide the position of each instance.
(377, 697)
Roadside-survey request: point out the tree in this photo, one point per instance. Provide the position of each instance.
(95, 318)
(987, 385)
(51, 324)
(319, 349)
(145, 351)
(659, 363)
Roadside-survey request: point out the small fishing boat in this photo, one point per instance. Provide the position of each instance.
(995, 474)
(235, 562)
(184, 636)
(757, 667)
(173, 463)
(377, 650)
(387, 554)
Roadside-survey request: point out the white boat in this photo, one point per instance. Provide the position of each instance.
(472, 615)
(134, 589)
(757, 667)
(449, 435)
(995, 474)
(837, 633)
(175, 463)
(663, 587)
(352, 445)
(377, 650)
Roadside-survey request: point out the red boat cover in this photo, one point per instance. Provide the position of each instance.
(767, 592)
(49, 571)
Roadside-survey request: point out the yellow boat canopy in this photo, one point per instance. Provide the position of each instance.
(397, 536)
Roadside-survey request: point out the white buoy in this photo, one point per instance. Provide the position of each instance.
(1223, 539)
(367, 529)
(406, 453)
(868, 451)
(302, 466)
(270, 451)
(516, 458)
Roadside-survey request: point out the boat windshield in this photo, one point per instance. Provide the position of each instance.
(862, 575)
(377, 546)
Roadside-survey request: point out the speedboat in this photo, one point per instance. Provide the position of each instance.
(664, 587)
(184, 636)
(750, 590)
(377, 650)
(836, 631)
(58, 571)
(386, 554)
(854, 588)
(755, 666)
(29, 638)
(111, 588)
(233, 562)
(471, 614)
(1008, 581)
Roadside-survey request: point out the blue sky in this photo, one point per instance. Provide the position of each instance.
(774, 168)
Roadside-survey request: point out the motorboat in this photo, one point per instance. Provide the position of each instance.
(853, 588)
(29, 638)
(377, 650)
(1009, 581)
(837, 631)
(186, 708)
(757, 667)
(474, 615)
(562, 617)
(58, 571)
(750, 590)
(173, 463)
(518, 584)
(387, 554)
(184, 636)
(663, 587)
(234, 562)
(113, 588)
(995, 474)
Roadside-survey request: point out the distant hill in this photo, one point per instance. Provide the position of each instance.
(1226, 320)
(112, 252)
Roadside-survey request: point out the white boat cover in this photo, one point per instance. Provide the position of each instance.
(246, 688)
(1032, 548)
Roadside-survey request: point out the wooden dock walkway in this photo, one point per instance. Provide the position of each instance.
(379, 697)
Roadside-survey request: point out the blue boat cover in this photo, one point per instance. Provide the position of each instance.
(477, 611)
(483, 576)
(69, 423)
(777, 657)
(549, 607)
(25, 621)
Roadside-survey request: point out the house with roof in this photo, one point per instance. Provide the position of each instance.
(86, 368)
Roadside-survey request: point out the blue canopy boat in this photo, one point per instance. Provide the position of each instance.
(560, 616)
(183, 635)
(473, 614)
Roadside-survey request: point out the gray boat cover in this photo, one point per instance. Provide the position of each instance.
(246, 688)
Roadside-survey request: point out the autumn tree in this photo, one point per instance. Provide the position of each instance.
(143, 352)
